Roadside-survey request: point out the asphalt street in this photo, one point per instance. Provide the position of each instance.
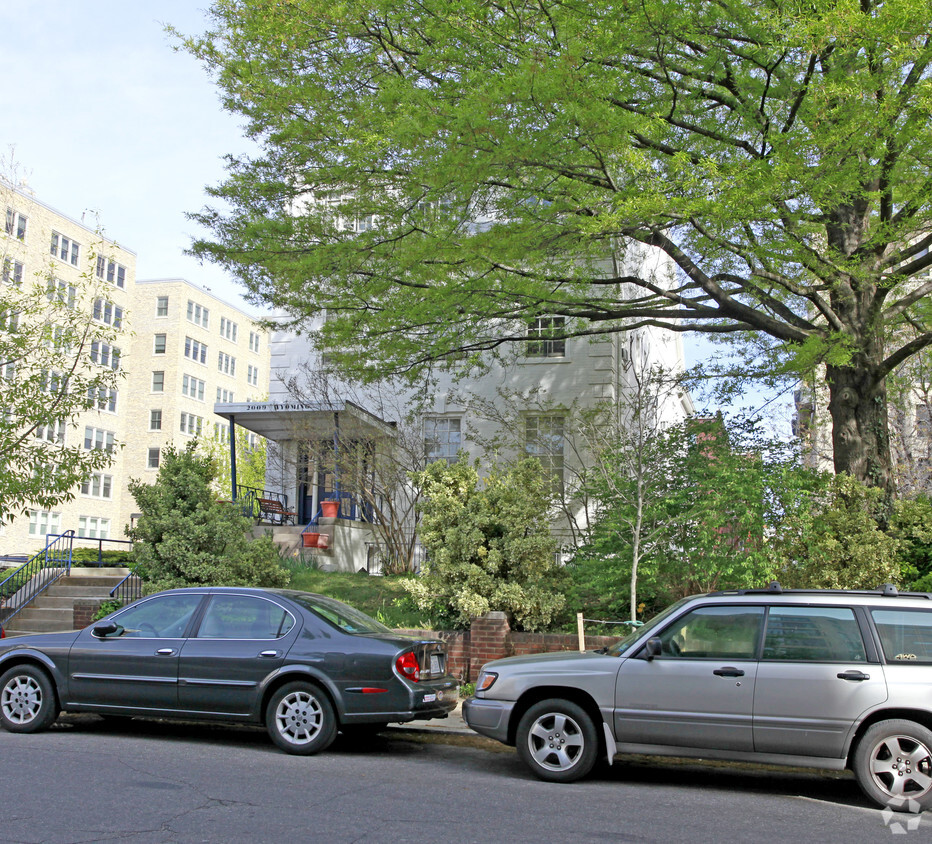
(90, 780)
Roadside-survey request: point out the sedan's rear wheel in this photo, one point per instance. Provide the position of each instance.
(893, 765)
(300, 719)
(27, 700)
(557, 740)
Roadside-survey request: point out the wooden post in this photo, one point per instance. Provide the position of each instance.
(579, 629)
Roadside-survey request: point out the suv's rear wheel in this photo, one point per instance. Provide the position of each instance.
(893, 765)
(557, 740)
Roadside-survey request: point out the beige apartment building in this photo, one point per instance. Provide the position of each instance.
(180, 350)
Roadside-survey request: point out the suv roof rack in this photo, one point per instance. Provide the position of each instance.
(887, 590)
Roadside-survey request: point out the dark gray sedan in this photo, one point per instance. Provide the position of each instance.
(303, 665)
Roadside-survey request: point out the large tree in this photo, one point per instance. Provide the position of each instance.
(436, 175)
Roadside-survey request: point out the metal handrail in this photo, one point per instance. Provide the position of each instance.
(24, 585)
(129, 589)
(247, 497)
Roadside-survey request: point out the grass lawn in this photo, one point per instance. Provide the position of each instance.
(381, 597)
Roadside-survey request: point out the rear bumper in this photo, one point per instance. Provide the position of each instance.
(489, 717)
(426, 700)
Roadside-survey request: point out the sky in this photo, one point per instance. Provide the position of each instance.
(103, 115)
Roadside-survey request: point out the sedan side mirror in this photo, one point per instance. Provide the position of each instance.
(653, 648)
(108, 628)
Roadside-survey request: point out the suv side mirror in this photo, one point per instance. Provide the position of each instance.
(653, 648)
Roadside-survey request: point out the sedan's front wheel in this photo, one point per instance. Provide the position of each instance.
(557, 740)
(27, 700)
(300, 719)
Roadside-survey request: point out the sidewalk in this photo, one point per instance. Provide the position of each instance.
(453, 723)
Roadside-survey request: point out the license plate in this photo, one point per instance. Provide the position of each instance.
(436, 664)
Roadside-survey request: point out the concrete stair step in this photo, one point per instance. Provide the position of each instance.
(66, 590)
(49, 626)
(38, 612)
(102, 571)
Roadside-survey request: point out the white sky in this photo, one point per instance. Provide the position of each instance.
(104, 116)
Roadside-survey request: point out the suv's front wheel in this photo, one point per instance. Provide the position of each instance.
(557, 740)
(893, 765)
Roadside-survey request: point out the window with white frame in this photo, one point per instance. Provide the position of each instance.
(198, 314)
(224, 396)
(98, 485)
(52, 382)
(111, 272)
(228, 329)
(60, 291)
(252, 375)
(108, 313)
(191, 424)
(195, 350)
(93, 527)
(158, 381)
(161, 306)
(12, 272)
(923, 420)
(99, 439)
(543, 438)
(442, 438)
(543, 340)
(9, 321)
(152, 461)
(226, 364)
(102, 399)
(65, 249)
(54, 432)
(159, 344)
(8, 370)
(42, 522)
(253, 341)
(192, 387)
(15, 224)
(221, 432)
(105, 354)
(155, 420)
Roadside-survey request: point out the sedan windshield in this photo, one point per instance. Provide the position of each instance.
(340, 615)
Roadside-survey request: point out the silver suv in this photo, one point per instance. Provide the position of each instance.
(816, 678)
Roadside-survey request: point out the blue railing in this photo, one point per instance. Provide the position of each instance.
(30, 580)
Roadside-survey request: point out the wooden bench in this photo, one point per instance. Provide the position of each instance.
(272, 510)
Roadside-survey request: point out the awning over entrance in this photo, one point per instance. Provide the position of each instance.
(292, 420)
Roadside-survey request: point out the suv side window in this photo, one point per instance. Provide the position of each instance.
(813, 634)
(906, 635)
(714, 633)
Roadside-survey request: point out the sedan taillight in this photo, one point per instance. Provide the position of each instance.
(407, 666)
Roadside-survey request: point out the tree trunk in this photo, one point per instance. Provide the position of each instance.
(860, 436)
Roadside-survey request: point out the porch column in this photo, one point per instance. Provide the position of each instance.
(233, 456)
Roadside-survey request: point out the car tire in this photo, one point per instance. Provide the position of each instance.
(28, 702)
(893, 765)
(300, 719)
(558, 741)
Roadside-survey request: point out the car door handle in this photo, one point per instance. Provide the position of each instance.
(270, 654)
(165, 651)
(853, 675)
(728, 671)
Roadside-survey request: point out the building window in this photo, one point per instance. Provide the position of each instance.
(191, 424)
(198, 314)
(192, 387)
(42, 522)
(155, 420)
(228, 329)
(153, 458)
(111, 271)
(541, 342)
(224, 396)
(221, 432)
(15, 224)
(12, 272)
(253, 341)
(108, 313)
(65, 249)
(195, 351)
(52, 382)
(96, 438)
(62, 292)
(52, 433)
(158, 381)
(543, 438)
(226, 364)
(102, 399)
(252, 375)
(93, 527)
(105, 355)
(442, 438)
(161, 306)
(158, 347)
(98, 485)
(923, 421)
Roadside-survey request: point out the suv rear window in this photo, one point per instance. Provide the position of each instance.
(906, 635)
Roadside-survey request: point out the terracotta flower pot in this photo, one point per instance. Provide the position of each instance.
(330, 509)
(310, 539)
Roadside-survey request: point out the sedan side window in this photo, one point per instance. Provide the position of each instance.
(813, 634)
(161, 617)
(244, 617)
(714, 633)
